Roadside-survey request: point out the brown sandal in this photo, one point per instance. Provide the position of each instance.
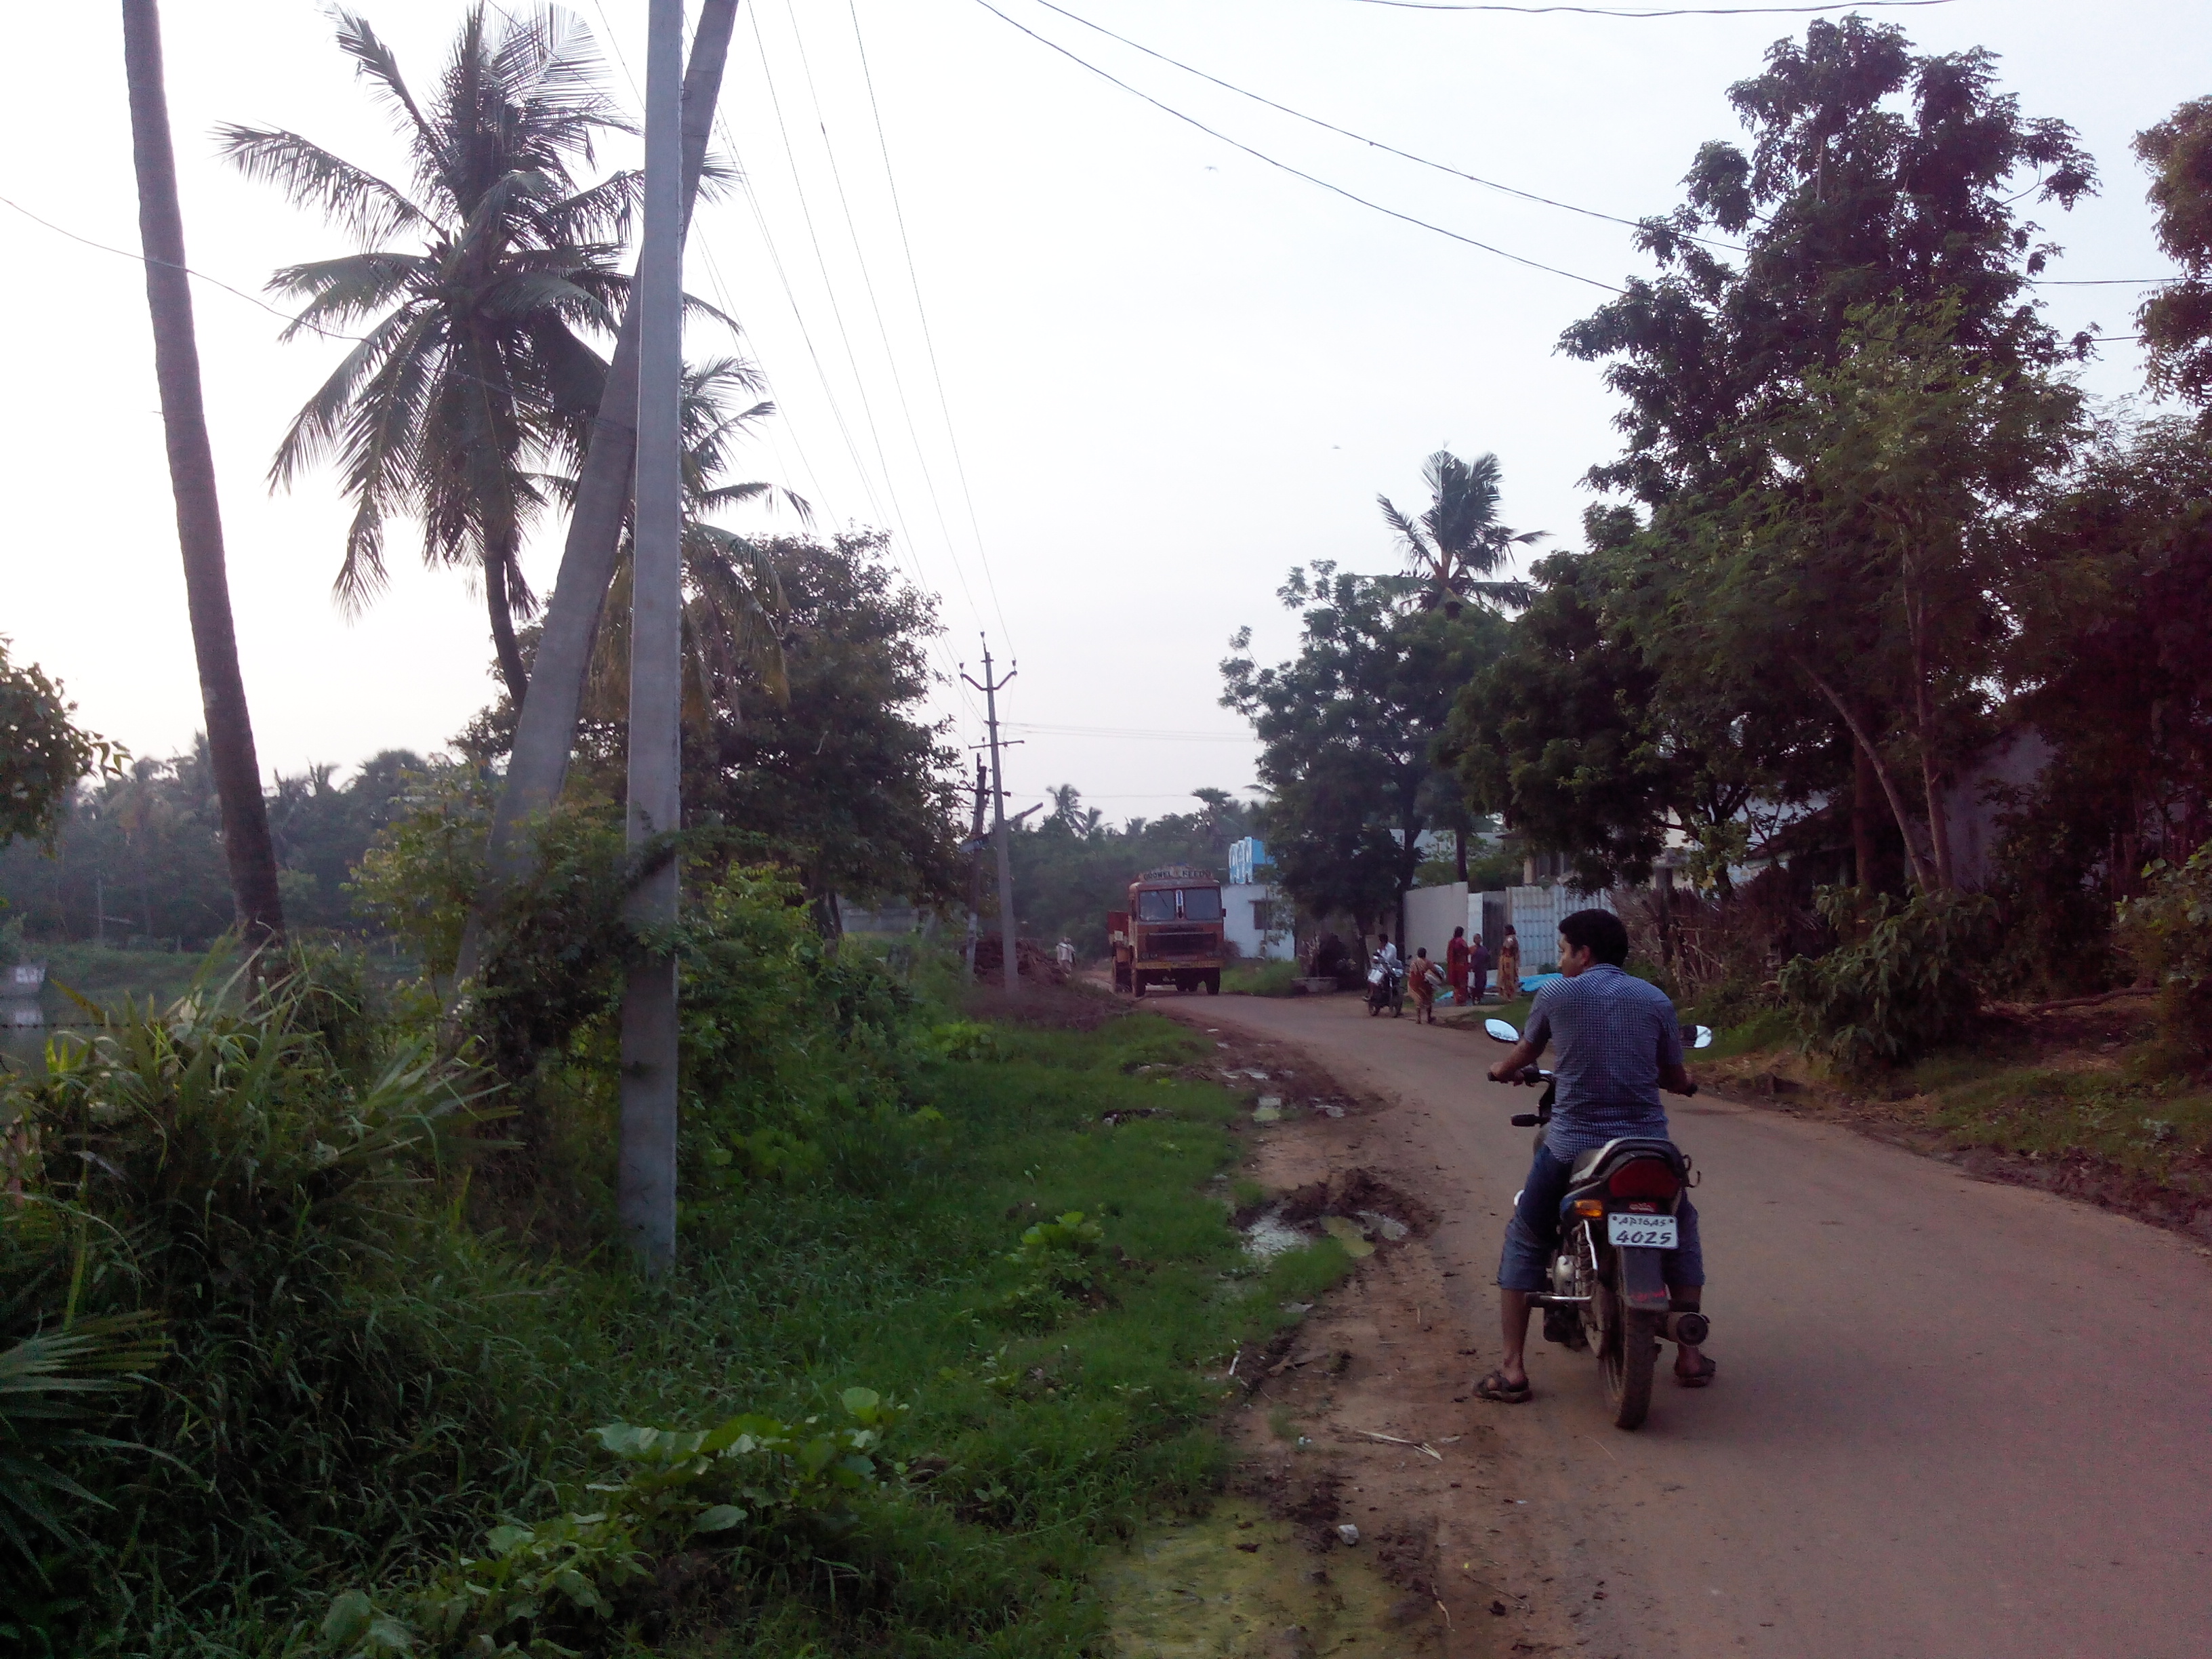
(1702, 1377)
(1495, 1387)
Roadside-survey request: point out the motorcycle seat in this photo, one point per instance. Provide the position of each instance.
(1588, 1164)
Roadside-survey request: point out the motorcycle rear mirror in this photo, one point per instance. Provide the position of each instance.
(1501, 1031)
(1704, 1038)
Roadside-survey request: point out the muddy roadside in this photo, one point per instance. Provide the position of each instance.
(1378, 1509)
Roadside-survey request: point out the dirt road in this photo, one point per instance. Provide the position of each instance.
(1953, 1419)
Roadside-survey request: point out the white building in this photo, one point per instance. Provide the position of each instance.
(1258, 920)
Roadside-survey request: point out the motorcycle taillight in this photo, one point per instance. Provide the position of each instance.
(1643, 1177)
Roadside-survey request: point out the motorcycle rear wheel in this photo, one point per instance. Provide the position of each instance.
(1627, 1359)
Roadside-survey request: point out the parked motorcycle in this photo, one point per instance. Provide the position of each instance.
(1608, 1285)
(1385, 987)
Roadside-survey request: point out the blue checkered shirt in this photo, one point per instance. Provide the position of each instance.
(1613, 1032)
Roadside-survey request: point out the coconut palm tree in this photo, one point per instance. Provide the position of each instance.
(1458, 546)
(246, 846)
(473, 286)
(733, 602)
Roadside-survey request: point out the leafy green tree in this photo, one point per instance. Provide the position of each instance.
(44, 754)
(1874, 212)
(2176, 319)
(1458, 546)
(844, 779)
(1874, 178)
(1348, 727)
(733, 604)
(472, 365)
(1875, 565)
(2112, 657)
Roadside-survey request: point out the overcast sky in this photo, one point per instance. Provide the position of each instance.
(1172, 371)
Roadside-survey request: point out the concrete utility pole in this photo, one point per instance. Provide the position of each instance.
(645, 1187)
(990, 688)
(975, 867)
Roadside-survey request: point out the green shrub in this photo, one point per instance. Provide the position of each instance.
(751, 1484)
(2168, 932)
(1904, 979)
(216, 1170)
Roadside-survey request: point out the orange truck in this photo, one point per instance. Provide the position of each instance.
(1174, 933)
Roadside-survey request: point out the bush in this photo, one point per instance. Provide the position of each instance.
(753, 1484)
(212, 1168)
(1904, 979)
(2168, 932)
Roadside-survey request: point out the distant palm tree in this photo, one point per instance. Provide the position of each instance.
(733, 602)
(472, 371)
(1457, 546)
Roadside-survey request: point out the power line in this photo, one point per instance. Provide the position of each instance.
(929, 339)
(1360, 137)
(798, 317)
(213, 281)
(1675, 11)
(836, 311)
(1261, 156)
(875, 305)
(1511, 190)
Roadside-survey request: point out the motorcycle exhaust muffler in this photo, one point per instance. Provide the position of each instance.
(1690, 1328)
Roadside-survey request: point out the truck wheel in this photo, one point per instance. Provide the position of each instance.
(1213, 983)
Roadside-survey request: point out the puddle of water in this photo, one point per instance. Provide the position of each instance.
(1349, 1233)
(1388, 1226)
(1191, 1593)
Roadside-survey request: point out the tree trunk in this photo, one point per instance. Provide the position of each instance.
(237, 770)
(1864, 788)
(1459, 855)
(1923, 872)
(502, 607)
(1923, 719)
(545, 726)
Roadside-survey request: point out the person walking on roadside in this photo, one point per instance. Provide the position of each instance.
(1619, 1044)
(1478, 969)
(1456, 960)
(1509, 965)
(1426, 979)
(1064, 954)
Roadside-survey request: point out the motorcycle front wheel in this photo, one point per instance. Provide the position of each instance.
(1627, 1356)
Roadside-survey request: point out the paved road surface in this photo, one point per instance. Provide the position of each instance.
(1954, 1417)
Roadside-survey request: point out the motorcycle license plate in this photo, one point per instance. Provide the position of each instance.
(1648, 1233)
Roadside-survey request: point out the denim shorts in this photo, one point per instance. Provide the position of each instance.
(1532, 1237)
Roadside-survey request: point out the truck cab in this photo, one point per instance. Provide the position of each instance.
(1174, 933)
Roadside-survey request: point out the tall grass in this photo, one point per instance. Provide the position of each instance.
(360, 1381)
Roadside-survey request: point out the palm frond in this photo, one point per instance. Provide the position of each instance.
(311, 177)
(314, 430)
(49, 1384)
(376, 63)
(339, 291)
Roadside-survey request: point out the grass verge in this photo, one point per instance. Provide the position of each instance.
(2080, 1102)
(1260, 979)
(1048, 1418)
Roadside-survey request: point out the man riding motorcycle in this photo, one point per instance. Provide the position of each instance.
(1619, 1044)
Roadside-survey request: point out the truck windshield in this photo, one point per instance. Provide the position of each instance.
(1201, 904)
(1156, 907)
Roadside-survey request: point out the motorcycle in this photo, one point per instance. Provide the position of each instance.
(1385, 987)
(1608, 1291)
